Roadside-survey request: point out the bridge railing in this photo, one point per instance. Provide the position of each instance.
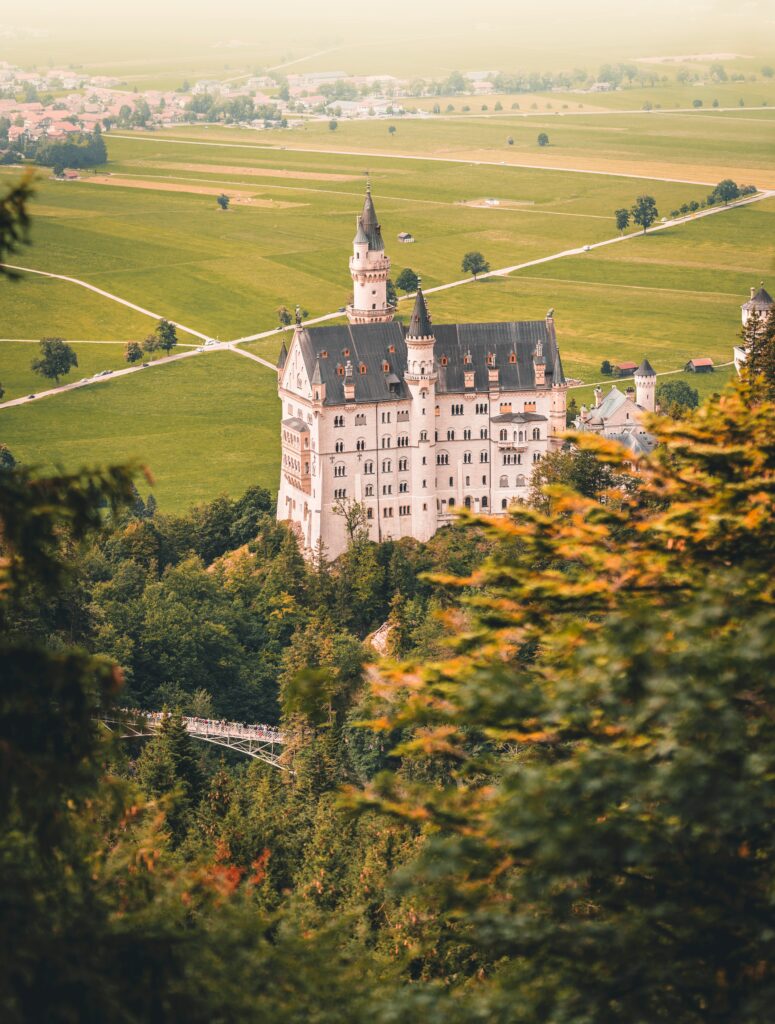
(208, 726)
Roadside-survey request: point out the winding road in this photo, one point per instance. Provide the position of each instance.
(234, 345)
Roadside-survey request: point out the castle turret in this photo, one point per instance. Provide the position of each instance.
(420, 378)
(760, 302)
(369, 268)
(646, 386)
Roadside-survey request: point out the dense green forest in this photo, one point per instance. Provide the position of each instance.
(553, 801)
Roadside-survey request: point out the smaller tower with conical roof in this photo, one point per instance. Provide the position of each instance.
(369, 269)
(760, 302)
(646, 386)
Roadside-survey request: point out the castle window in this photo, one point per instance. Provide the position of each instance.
(520, 480)
(451, 502)
(323, 354)
(423, 437)
(360, 419)
(504, 435)
(387, 466)
(450, 435)
(442, 459)
(467, 359)
(490, 359)
(368, 467)
(504, 482)
(369, 513)
(346, 352)
(467, 434)
(391, 349)
(403, 441)
(369, 490)
(360, 445)
(386, 417)
(340, 469)
(386, 367)
(403, 465)
(467, 502)
(452, 481)
(362, 368)
(484, 457)
(340, 370)
(512, 359)
(484, 501)
(338, 421)
(403, 487)
(467, 457)
(443, 360)
(504, 503)
(339, 446)
(340, 493)
(438, 410)
(536, 456)
(536, 434)
(483, 433)
(386, 442)
(387, 488)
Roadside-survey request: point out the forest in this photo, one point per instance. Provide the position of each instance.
(552, 800)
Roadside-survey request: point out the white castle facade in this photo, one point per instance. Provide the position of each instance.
(410, 423)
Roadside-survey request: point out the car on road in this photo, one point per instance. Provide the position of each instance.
(210, 342)
(587, 248)
(342, 309)
(146, 364)
(32, 396)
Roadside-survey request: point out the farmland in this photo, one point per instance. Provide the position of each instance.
(209, 425)
(204, 427)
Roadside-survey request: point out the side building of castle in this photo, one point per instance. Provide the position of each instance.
(410, 422)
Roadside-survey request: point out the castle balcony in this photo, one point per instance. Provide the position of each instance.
(379, 264)
(370, 316)
(512, 446)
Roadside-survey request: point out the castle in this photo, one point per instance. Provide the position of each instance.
(410, 423)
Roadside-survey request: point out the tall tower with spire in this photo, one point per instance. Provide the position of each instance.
(420, 377)
(369, 268)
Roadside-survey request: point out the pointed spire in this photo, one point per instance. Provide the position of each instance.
(282, 357)
(368, 222)
(645, 370)
(317, 377)
(420, 325)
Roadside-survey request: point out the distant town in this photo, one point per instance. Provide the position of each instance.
(51, 104)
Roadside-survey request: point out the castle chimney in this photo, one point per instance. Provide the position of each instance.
(753, 292)
(598, 397)
(539, 364)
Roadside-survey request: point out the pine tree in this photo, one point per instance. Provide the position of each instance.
(758, 338)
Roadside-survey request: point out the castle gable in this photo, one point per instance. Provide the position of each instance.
(295, 375)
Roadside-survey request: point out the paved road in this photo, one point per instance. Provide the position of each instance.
(107, 295)
(580, 251)
(233, 346)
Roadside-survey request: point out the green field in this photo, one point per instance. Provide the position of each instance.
(210, 424)
(203, 426)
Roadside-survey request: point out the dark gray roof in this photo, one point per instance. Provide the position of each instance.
(645, 370)
(282, 357)
(295, 423)
(369, 223)
(512, 344)
(761, 300)
(518, 417)
(420, 324)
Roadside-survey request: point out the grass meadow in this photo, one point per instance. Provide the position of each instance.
(210, 425)
(203, 426)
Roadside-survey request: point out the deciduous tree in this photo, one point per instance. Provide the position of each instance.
(474, 263)
(645, 212)
(56, 359)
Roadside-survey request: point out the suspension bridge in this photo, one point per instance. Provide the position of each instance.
(261, 742)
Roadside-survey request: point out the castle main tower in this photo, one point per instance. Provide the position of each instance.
(369, 268)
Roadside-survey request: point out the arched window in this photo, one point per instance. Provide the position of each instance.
(387, 466)
(369, 490)
(504, 503)
(339, 446)
(340, 370)
(386, 442)
(443, 360)
(451, 502)
(423, 435)
(484, 501)
(442, 459)
(467, 502)
(360, 445)
(504, 435)
(512, 357)
(521, 480)
(368, 467)
(504, 481)
(536, 434)
(340, 469)
(362, 368)
(484, 457)
(467, 458)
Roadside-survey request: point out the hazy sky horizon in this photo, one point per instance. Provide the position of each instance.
(552, 33)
